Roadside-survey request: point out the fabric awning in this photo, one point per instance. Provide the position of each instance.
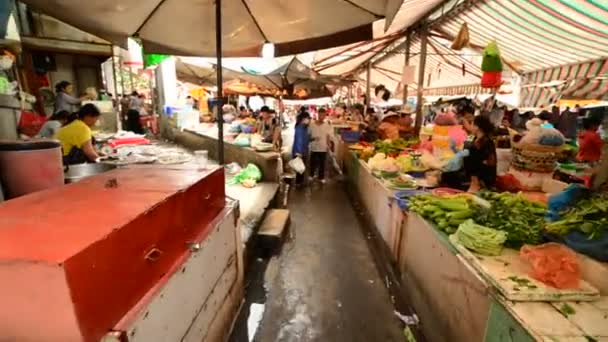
(188, 27)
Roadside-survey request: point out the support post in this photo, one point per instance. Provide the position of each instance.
(368, 85)
(420, 87)
(407, 63)
(218, 51)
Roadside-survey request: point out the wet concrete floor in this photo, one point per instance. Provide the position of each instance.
(324, 285)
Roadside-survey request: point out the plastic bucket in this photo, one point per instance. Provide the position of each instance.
(30, 166)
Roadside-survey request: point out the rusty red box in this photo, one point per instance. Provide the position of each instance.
(75, 259)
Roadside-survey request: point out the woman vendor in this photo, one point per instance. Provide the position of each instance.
(64, 100)
(480, 165)
(589, 141)
(76, 137)
(268, 127)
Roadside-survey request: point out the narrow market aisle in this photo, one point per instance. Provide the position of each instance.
(324, 286)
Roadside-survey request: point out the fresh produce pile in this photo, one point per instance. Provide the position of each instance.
(520, 218)
(589, 215)
(480, 239)
(446, 212)
(394, 147)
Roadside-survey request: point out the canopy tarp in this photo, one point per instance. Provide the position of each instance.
(565, 40)
(188, 27)
(292, 78)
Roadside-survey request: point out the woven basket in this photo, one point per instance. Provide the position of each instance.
(535, 157)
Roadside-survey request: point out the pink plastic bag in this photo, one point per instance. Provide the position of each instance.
(553, 264)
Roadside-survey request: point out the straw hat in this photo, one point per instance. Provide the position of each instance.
(388, 115)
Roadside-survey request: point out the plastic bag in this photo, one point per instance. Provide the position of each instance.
(297, 164)
(457, 162)
(565, 199)
(491, 58)
(249, 173)
(462, 38)
(553, 264)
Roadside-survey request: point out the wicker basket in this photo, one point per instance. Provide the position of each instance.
(535, 157)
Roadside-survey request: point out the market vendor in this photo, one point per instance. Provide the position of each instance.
(389, 127)
(64, 100)
(357, 113)
(480, 165)
(589, 141)
(405, 123)
(76, 137)
(268, 127)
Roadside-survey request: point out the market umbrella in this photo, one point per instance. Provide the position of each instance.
(182, 27)
(189, 28)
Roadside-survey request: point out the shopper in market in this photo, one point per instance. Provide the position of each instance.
(590, 142)
(567, 123)
(52, 126)
(480, 165)
(301, 142)
(320, 132)
(136, 106)
(64, 100)
(76, 137)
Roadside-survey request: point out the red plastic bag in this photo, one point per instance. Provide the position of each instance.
(553, 264)
(491, 79)
(30, 123)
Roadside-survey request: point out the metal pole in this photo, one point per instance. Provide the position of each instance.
(115, 83)
(368, 85)
(421, 65)
(121, 74)
(131, 78)
(218, 51)
(407, 63)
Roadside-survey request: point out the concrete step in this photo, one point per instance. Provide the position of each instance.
(273, 230)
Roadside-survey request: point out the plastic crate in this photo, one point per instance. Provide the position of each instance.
(351, 136)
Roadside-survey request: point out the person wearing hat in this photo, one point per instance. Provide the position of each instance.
(405, 123)
(389, 127)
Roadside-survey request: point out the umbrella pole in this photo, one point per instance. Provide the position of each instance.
(368, 85)
(407, 63)
(218, 45)
(420, 89)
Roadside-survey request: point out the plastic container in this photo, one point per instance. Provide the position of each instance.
(30, 166)
(202, 158)
(351, 136)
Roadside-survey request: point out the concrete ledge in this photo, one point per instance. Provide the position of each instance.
(266, 161)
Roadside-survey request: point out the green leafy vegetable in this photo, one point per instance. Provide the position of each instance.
(480, 239)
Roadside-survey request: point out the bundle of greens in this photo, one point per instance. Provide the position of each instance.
(394, 147)
(447, 213)
(480, 239)
(521, 219)
(589, 215)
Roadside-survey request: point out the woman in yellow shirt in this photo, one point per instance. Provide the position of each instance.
(76, 138)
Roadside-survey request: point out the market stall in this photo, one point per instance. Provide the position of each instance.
(512, 261)
(204, 137)
(448, 284)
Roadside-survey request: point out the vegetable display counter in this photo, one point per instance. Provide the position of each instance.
(460, 296)
(134, 254)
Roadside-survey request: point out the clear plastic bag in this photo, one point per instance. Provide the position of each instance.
(553, 264)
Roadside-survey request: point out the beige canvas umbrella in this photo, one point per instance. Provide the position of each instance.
(238, 28)
(187, 27)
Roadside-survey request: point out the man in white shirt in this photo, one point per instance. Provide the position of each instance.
(320, 136)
